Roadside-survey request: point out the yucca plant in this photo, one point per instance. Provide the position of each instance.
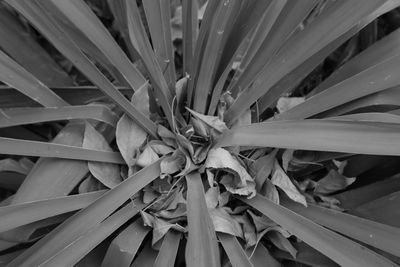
(145, 160)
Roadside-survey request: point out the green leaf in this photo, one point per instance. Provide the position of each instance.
(220, 28)
(41, 149)
(108, 174)
(124, 247)
(384, 210)
(340, 18)
(279, 21)
(261, 257)
(23, 47)
(14, 75)
(374, 79)
(87, 218)
(234, 250)
(351, 199)
(75, 251)
(21, 116)
(343, 251)
(202, 247)
(51, 177)
(139, 40)
(169, 248)
(16, 215)
(320, 135)
(158, 20)
(378, 235)
(50, 28)
(190, 32)
(85, 20)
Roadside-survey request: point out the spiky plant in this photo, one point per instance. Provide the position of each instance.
(217, 166)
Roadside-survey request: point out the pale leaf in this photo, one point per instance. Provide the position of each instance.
(281, 180)
(240, 182)
(107, 173)
(147, 157)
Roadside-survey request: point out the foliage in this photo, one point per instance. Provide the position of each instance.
(173, 133)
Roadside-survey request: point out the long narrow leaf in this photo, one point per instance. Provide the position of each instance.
(16, 76)
(167, 254)
(351, 199)
(340, 249)
(87, 218)
(234, 250)
(369, 232)
(24, 49)
(158, 16)
(48, 27)
(139, 40)
(320, 135)
(124, 247)
(190, 32)
(202, 247)
(75, 251)
(16, 215)
(323, 30)
(377, 78)
(85, 20)
(41, 149)
(219, 31)
(21, 116)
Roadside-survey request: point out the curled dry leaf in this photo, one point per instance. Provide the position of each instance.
(212, 121)
(22, 166)
(238, 181)
(212, 196)
(130, 136)
(173, 163)
(223, 222)
(332, 182)
(147, 157)
(281, 180)
(107, 173)
(286, 103)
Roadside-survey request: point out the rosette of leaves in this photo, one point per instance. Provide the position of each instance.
(218, 166)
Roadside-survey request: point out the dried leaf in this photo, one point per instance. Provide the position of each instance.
(172, 164)
(107, 173)
(332, 182)
(240, 182)
(130, 136)
(160, 148)
(286, 103)
(280, 179)
(249, 231)
(147, 157)
(212, 196)
(261, 222)
(11, 165)
(287, 157)
(263, 167)
(269, 190)
(212, 121)
(224, 222)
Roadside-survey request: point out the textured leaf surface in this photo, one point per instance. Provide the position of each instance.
(343, 251)
(202, 247)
